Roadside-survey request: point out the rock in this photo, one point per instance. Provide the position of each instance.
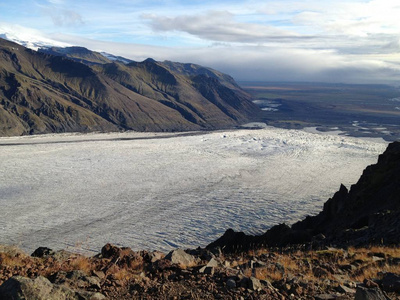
(76, 279)
(19, 288)
(345, 289)
(160, 265)
(377, 258)
(93, 281)
(76, 275)
(378, 254)
(40, 288)
(255, 284)
(182, 259)
(156, 255)
(91, 296)
(231, 283)
(320, 272)
(341, 277)
(207, 270)
(201, 253)
(395, 260)
(42, 252)
(244, 281)
(325, 297)
(99, 274)
(259, 264)
(62, 255)
(111, 251)
(364, 293)
(319, 237)
(348, 267)
(213, 263)
(111, 269)
(370, 284)
(216, 251)
(391, 282)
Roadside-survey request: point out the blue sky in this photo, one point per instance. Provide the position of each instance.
(333, 41)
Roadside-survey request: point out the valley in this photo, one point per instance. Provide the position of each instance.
(355, 109)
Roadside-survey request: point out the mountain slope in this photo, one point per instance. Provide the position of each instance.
(42, 93)
(367, 214)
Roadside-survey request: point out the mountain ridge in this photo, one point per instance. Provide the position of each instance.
(83, 91)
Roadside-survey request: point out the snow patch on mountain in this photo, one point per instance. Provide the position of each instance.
(28, 37)
(116, 58)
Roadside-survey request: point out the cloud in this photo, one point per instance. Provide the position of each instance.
(218, 26)
(61, 14)
(347, 40)
(265, 63)
(65, 17)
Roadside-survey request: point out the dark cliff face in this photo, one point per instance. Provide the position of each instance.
(74, 89)
(376, 195)
(367, 214)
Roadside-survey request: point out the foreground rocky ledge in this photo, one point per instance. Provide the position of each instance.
(120, 273)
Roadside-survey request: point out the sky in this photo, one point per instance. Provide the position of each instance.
(346, 41)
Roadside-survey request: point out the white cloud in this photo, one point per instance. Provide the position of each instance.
(65, 17)
(343, 40)
(263, 63)
(217, 26)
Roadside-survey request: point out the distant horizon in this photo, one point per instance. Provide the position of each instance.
(349, 41)
(316, 82)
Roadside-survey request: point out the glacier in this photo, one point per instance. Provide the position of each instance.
(158, 191)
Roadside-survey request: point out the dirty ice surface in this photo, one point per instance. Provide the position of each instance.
(79, 192)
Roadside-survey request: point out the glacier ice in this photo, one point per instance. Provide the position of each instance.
(160, 191)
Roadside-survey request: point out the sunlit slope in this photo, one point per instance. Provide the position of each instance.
(42, 93)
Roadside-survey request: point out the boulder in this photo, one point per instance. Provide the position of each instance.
(391, 282)
(182, 259)
(156, 255)
(364, 293)
(207, 270)
(42, 252)
(231, 283)
(320, 272)
(255, 284)
(111, 251)
(40, 288)
(213, 263)
(325, 297)
(345, 289)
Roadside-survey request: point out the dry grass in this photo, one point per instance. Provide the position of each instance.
(271, 274)
(392, 251)
(373, 270)
(81, 263)
(11, 261)
(301, 262)
(123, 275)
(288, 263)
